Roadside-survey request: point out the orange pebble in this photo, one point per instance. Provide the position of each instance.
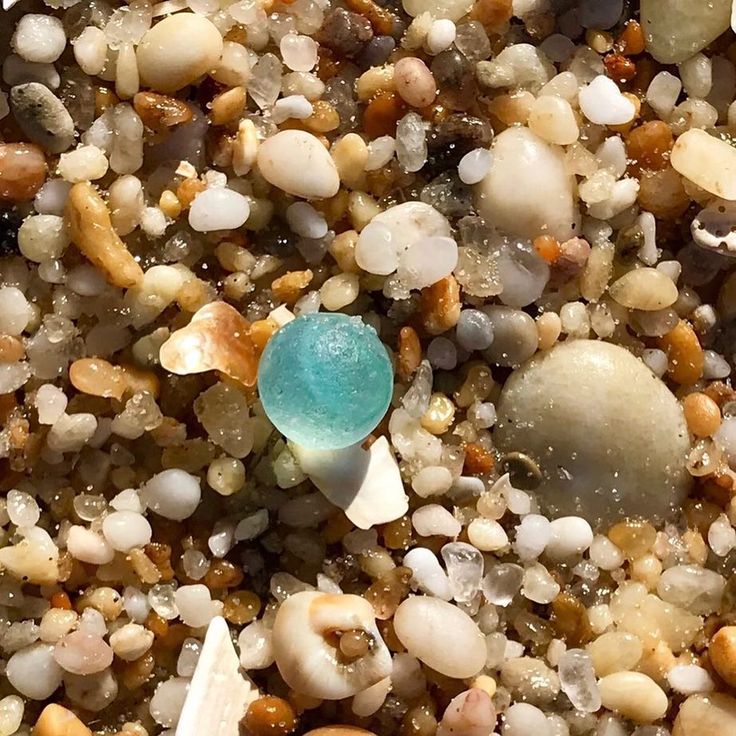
(702, 414)
(60, 600)
(685, 354)
(547, 247)
(410, 351)
(478, 460)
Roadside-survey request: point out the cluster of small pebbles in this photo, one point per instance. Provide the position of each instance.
(532, 202)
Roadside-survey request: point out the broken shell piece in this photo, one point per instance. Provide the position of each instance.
(365, 484)
(91, 231)
(471, 713)
(216, 338)
(715, 227)
(306, 643)
(218, 694)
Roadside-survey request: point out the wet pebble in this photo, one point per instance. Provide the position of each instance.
(345, 32)
(515, 336)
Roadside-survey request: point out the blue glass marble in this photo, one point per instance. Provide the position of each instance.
(325, 380)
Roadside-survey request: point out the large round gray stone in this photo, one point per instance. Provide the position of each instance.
(609, 436)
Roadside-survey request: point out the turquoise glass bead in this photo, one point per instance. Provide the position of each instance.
(325, 380)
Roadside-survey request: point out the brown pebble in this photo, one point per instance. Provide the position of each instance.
(270, 716)
(227, 106)
(160, 112)
(91, 231)
(478, 460)
(440, 305)
(410, 352)
(492, 14)
(632, 40)
(381, 115)
(619, 68)
(55, 720)
(649, 145)
(380, 18)
(22, 171)
(663, 194)
(11, 349)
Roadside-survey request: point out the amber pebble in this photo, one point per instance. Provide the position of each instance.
(159, 112)
(188, 190)
(492, 14)
(11, 349)
(702, 414)
(686, 358)
(55, 720)
(631, 41)
(241, 607)
(547, 247)
(649, 145)
(397, 533)
(381, 115)
(662, 193)
(223, 574)
(570, 621)
(354, 644)
(619, 68)
(136, 673)
(269, 716)
(388, 591)
(440, 305)
(22, 171)
(633, 538)
(289, 287)
(478, 460)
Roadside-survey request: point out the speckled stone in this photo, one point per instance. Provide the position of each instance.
(325, 380)
(41, 115)
(608, 435)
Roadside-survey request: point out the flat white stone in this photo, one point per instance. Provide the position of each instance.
(365, 484)
(219, 694)
(706, 161)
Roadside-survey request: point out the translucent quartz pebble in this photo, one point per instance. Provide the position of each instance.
(675, 30)
(325, 380)
(608, 435)
(577, 678)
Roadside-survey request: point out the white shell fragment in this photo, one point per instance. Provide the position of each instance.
(219, 694)
(715, 227)
(365, 484)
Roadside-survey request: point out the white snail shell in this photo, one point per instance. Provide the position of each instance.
(306, 638)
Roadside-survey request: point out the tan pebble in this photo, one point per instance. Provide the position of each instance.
(169, 204)
(339, 291)
(55, 720)
(22, 171)
(159, 112)
(410, 352)
(188, 190)
(104, 599)
(227, 106)
(644, 288)
(485, 683)
(439, 415)
(722, 651)
(549, 327)
(633, 538)
(634, 696)
(414, 82)
(216, 338)
(615, 651)
(97, 377)
(245, 150)
(178, 50)
(686, 358)
(350, 154)
(11, 349)
(707, 161)
(90, 229)
(553, 119)
(289, 287)
(440, 305)
(342, 249)
(377, 80)
(712, 714)
(362, 208)
(323, 119)
(646, 569)
(139, 380)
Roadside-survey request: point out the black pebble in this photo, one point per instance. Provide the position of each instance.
(10, 221)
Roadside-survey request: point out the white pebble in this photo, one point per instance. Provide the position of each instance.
(721, 536)
(487, 534)
(188, 657)
(87, 546)
(523, 719)
(440, 36)
(168, 700)
(538, 585)
(127, 500)
(19, 71)
(689, 679)
(434, 480)
(656, 360)
(136, 605)
(299, 52)
(126, 529)
(50, 403)
(532, 536)
(339, 291)
(428, 260)
(663, 92)
(39, 38)
(86, 163)
(43, 237)
(605, 554)
(218, 208)
(90, 50)
(22, 508)
(11, 714)
(15, 311)
(602, 103)
(33, 671)
(474, 165)
(51, 197)
(306, 221)
(570, 537)
(441, 635)
(195, 605)
(435, 520)
(376, 251)
(173, 494)
(380, 151)
(255, 642)
(427, 573)
(293, 106)
(131, 641)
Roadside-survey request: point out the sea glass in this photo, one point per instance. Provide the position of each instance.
(325, 380)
